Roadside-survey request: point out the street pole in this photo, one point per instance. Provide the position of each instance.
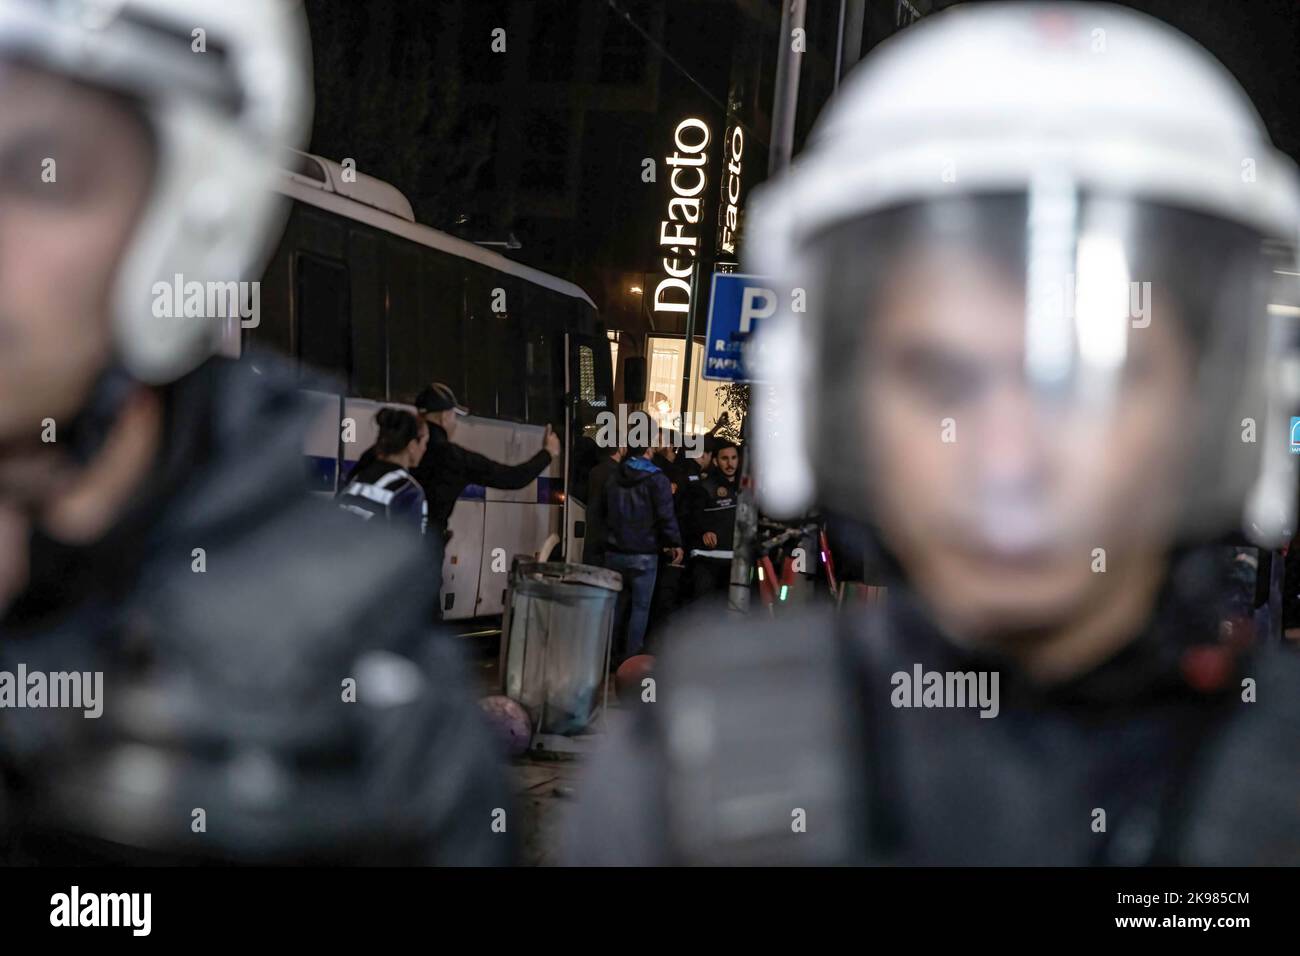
(785, 103)
(853, 15)
(785, 94)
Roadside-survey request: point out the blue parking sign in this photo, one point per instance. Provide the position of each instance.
(736, 304)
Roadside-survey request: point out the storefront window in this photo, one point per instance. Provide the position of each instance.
(664, 389)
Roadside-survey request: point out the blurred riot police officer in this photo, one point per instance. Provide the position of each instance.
(154, 525)
(1033, 242)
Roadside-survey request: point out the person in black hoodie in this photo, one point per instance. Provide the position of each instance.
(640, 524)
(447, 468)
(669, 459)
(593, 543)
(672, 461)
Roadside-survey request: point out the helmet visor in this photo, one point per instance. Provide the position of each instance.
(1028, 375)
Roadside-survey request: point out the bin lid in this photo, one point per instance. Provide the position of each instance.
(562, 572)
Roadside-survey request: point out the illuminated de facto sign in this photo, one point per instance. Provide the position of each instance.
(678, 241)
(730, 211)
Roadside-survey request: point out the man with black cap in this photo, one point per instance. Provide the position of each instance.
(447, 468)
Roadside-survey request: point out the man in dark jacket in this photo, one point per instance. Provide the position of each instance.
(593, 542)
(672, 461)
(709, 521)
(640, 524)
(447, 468)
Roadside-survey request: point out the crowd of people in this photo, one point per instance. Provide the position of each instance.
(665, 520)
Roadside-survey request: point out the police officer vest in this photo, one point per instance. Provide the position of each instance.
(367, 499)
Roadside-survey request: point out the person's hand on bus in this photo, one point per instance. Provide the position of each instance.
(551, 442)
(710, 539)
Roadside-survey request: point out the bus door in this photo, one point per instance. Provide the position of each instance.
(323, 348)
(587, 385)
(515, 521)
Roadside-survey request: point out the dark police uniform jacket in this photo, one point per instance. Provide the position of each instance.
(226, 670)
(709, 504)
(380, 489)
(1152, 757)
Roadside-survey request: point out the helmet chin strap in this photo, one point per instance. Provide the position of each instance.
(84, 439)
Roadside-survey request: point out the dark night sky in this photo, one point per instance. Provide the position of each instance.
(1257, 40)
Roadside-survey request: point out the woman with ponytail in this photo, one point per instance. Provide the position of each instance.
(383, 486)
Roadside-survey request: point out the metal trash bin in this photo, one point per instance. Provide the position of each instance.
(556, 640)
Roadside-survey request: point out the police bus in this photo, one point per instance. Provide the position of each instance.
(383, 306)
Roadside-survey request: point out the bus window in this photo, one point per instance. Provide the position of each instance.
(483, 340)
(512, 377)
(275, 330)
(590, 384)
(369, 341)
(407, 367)
(541, 354)
(441, 319)
(324, 329)
(494, 344)
(586, 374)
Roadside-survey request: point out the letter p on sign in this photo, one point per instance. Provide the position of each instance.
(757, 303)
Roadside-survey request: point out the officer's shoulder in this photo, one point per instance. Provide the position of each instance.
(753, 720)
(260, 385)
(1244, 808)
(307, 576)
(248, 552)
(712, 645)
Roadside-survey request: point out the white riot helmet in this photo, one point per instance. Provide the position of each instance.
(1082, 154)
(225, 86)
